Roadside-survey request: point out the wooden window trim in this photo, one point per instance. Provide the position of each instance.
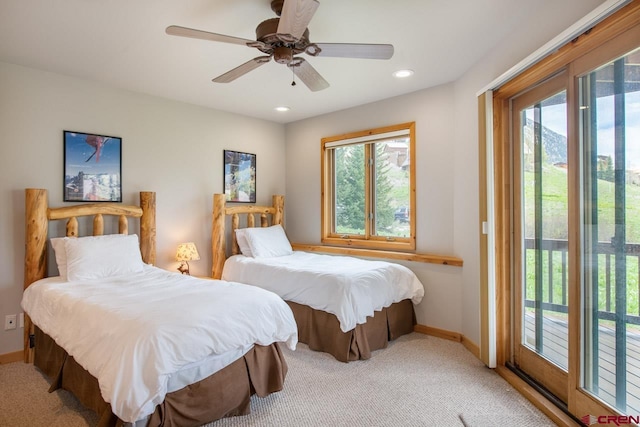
(367, 241)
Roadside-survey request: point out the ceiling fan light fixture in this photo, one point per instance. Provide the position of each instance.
(401, 74)
(282, 108)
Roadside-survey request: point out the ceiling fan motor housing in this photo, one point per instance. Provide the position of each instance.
(267, 32)
(282, 55)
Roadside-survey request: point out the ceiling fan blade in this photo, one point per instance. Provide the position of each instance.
(308, 75)
(175, 30)
(355, 50)
(295, 16)
(241, 70)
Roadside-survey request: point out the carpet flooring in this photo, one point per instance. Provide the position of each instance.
(418, 380)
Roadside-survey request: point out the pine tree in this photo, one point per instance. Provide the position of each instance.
(350, 167)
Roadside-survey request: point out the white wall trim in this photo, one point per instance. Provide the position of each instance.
(491, 245)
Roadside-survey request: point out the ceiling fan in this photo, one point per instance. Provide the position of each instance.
(283, 39)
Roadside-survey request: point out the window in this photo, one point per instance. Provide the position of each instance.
(368, 194)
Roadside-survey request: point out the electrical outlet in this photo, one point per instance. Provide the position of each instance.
(9, 322)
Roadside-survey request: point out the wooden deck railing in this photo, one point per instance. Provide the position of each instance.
(551, 248)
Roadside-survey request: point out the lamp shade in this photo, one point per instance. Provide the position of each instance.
(187, 252)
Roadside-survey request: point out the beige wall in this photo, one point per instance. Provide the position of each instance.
(172, 148)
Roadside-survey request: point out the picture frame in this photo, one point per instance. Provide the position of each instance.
(92, 167)
(239, 176)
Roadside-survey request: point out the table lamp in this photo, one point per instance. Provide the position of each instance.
(186, 252)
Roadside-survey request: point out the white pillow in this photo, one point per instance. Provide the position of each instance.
(57, 243)
(241, 238)
(268, 242)
(97, 257)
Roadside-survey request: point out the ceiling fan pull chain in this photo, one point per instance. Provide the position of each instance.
(293, 76)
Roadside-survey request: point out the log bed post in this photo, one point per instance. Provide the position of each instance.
(35, 265)
(148, 227)
(218, 235)
(278, 205)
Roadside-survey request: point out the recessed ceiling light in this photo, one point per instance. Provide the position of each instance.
(282, 108)
(403, 73)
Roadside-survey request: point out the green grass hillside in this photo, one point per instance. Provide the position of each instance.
(554, 226)
(554, 206)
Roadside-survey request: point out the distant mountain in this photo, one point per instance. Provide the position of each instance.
(554, 145)
(554, 148)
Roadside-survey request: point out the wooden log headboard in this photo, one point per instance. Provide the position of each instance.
(38, 215)
(218, 232)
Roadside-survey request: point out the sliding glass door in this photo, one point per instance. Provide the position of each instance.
(541, 234)
(567, 141)
(609, 102)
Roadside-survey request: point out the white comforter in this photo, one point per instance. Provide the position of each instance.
(350, 288)
(133, 332)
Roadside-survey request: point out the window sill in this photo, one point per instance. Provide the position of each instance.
(405, 256)
(404, 245)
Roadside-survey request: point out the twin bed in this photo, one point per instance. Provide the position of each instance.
(137, 344)
(343, 306)
(144, 346)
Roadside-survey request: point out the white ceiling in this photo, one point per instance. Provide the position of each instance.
(122, 43)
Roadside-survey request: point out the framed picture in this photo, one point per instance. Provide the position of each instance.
(92, 167)
(239, 176)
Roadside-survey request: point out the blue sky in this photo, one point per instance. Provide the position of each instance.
(554, 118)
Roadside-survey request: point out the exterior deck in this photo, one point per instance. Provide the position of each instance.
(555, 332)
(619, 388)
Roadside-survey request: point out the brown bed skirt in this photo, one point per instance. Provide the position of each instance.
(321, 330)
(226, 393)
